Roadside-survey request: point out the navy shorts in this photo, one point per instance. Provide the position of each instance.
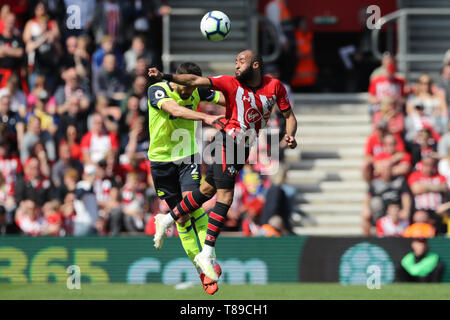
(172, 179)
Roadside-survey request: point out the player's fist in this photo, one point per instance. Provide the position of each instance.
(155, 74)
(214, 120)
(290, 140)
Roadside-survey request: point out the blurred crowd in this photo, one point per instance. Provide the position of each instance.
(74, 124)
(407, 156)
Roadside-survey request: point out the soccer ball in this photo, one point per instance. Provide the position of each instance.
(215, 25)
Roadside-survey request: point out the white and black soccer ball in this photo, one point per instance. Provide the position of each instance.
(215, 25)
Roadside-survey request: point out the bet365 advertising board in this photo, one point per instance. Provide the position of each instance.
(134, 260)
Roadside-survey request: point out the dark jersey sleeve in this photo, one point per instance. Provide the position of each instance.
(157, 95)
(207, 95)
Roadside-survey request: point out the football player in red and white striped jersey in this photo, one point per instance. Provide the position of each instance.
(250, 97)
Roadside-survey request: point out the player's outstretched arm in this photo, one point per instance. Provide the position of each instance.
(182, 112)
(190, 80)
(291, 129)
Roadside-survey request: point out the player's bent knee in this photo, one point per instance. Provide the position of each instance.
(207, 189)
(225, 196)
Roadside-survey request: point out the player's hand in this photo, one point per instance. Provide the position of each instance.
(155, 74)
(214, 120)
(290, 140)
(183, 219)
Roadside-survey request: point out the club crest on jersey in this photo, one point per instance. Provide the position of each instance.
(232, 170)
(252, 115)
(159, 94)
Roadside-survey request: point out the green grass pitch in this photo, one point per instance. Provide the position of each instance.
(273, 291)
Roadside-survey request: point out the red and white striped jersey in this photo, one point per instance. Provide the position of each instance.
(249, 108)
(428, 200)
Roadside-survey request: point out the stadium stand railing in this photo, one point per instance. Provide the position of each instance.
(422, 36)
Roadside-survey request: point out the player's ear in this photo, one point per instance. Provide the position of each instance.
(255, 65)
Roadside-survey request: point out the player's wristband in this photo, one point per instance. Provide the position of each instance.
(167, 76)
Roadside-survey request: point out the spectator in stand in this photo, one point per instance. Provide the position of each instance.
(429, 189)
(273, 228)
(68, 184)
(415, 122)
(391, 225)
(433, 102)
(68, 212)
(444, 83)
(108, 197)
(138, 49)
(420, 265)
(33, 135)
(109, 82)
(33, 185)
(108, 20)
(71, 138)
(390, 113)
(73, 86)
(97, 142)
(76, 57)
(29, 218)
(421, 226)
(5, 10)
(385, 62)
(424, 145)
(12, 123)
(7, 201)
(400, 162)
(134, 143)
(64, 163)
(12, 51)
(252, 198)
(132, 204)
(39, 109)
(386, 85)
(382, 191)
(142, 17)
(17, 96)
(108, 114)
(5, 226)
(53, 218)
(139, 90)
(140, 69)
(279, 201)
(129, 115)
(40, 85)
(107, 46)
(374, 146)
(74, 116)
(41, 37)
(10, 165)
(85, 204)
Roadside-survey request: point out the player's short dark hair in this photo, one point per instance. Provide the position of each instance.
(257, 57)
(189, 68)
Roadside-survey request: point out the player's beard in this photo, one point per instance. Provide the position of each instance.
(246, 75)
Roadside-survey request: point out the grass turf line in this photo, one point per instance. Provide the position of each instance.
(273, 291)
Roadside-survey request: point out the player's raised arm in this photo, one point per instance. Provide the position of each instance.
(190, 80)
(178, 111)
